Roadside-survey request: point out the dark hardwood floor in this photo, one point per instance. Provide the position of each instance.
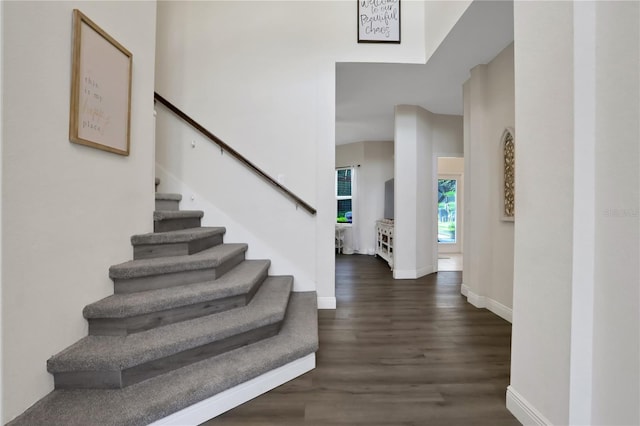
(405, 352)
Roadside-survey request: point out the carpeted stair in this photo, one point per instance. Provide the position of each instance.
(190, 318)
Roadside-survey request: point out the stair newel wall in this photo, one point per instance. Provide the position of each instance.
(68, 209)
(252, 210)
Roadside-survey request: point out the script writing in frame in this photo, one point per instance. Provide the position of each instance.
(379, 21)
(100, 113)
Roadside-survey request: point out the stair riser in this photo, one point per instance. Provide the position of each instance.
(171, 205)
(131, 325)
(88, 380)
(154, 282)
(150, 251)
(130, 376)
(166, 225)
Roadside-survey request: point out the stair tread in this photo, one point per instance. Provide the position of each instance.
(177, 214)
(168, 196)
(237, 281)
(158, 397)
(96, 353)
(209, 258)
(180, 236)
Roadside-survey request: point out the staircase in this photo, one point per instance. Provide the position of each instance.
(190, 320)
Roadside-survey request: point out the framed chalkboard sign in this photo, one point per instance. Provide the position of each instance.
(100, 88)
(378, 21)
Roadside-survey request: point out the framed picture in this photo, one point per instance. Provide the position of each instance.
(100, 88)
(379, 21)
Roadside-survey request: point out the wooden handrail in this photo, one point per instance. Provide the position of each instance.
(297, 200)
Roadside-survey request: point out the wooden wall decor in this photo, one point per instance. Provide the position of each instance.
(100, 88)
(509, 165)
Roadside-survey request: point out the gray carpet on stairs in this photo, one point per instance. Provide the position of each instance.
(176, 214)
(209, 258)
(98, 353)
(168, 196)
(237, 281)
(158, 397)
(159, 349)
(180, 236)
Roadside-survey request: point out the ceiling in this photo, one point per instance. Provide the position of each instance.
(366, 93)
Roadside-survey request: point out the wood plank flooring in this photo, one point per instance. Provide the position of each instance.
(405, 352)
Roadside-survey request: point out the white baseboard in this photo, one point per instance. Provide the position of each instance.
(475, 299)
(523, 410)
(425, 271)
(202, 411)
(326, 302)
(494, 306)
(500, 310)
(404, 274)
(464, 290)
(412, 274)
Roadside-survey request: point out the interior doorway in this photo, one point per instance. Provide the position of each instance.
(450, 214)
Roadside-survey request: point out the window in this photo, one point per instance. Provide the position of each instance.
(344, 196)
(447, 206)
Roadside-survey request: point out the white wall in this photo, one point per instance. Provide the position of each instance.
(420, 137)
(447, 135)
(351, 154)
(375, 161)
(616, 316)
(406, 140)
(68, 210)
(488, 240)
(425, 199)
(376, 170)
(576, 333)
(261, 75)
(1, 174)
(450, 165)
(544, 178)
(440, 18)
